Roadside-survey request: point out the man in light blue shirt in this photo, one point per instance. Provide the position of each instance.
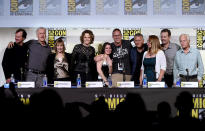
(188, 62)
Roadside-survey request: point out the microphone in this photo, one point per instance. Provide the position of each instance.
(187, 78)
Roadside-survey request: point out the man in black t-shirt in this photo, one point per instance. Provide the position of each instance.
(121, 58)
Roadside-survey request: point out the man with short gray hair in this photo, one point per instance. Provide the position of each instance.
(188, 62)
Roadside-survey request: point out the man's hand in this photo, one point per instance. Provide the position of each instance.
(10, 45)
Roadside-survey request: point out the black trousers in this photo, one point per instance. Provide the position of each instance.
(169, 80)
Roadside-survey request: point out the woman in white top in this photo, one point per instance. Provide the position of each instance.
(154, 61)
(104, 66)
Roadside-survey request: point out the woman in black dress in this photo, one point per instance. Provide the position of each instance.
(83, 58)
(104, 66)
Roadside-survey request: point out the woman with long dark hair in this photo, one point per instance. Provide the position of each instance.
(104, 66)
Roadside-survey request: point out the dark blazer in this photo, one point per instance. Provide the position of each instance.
(133, 58)
(50, 66)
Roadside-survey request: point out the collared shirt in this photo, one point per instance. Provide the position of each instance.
(191, 61)
(38, 55)
(170, 53)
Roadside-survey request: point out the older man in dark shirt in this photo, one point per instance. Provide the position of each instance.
(38, 54)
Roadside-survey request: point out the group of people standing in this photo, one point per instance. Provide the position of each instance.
(160, 62)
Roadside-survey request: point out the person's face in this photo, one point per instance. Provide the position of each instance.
(117, 36)
(165, 38)
(19, 37)
(86, 39)
(41, 35)
(60, 48)
(184, 42)
(149, 44)
(139, 41)
(108, 49)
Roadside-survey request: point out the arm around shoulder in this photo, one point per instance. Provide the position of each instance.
(98, 58)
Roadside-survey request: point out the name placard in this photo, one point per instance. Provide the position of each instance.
(156, 84)
(126, 84)
(26, 84)
(189, 85)
(94, 84)
(62, 84)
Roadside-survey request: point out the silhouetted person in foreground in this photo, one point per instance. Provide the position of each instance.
(164, 118)
(164, 111)
(47, 105)
(11, 108)
(133, 111)
(184, 105)
(99, 109)
(73, 112)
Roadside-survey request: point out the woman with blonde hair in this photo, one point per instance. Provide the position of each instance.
(58, 64)
(154, 61)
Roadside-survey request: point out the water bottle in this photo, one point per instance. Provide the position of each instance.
(78, 81)
(178, 82)
(144, 82)
(12, 78)
(109, 79)
(45, 81)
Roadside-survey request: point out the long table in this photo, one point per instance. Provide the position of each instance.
(152, 97)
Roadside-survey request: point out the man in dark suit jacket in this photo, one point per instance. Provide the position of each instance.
(136, 56)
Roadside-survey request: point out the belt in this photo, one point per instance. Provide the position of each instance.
(190, 77)
(36, 71)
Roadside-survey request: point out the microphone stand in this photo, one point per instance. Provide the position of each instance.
(187, 77)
